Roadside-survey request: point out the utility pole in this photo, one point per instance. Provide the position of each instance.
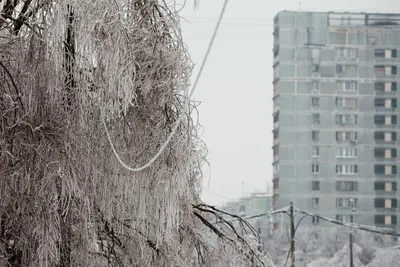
(351, 249)
(291, 235)
(352, 203)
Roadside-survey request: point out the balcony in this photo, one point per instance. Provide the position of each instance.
(276, 192)
(276, 108)
(383, 93)
(385, 193)
(385, 126)
(385, 210)
(276, 92)
(384, 110)
(385, 55)
(276, 60)
(390, 227)
(379, 75)
(385, 61)
(383, 142)
(383, 160)
(385, 176)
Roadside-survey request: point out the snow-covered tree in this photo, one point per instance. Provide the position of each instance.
(100, 159)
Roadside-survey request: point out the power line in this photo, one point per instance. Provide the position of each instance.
(186, 106)
(215, 194)
(366, 228)
(361, 227)
(283, 210)
(228, 19)
(234, 23)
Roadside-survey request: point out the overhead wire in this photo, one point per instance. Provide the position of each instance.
(186, 106)
(215, 194)
(361, 227)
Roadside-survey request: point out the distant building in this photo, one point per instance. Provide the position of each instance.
(253, 205)
(335, 115)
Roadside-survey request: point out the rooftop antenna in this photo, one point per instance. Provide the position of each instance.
(300, 6)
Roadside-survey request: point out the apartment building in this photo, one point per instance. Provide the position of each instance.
(335, 115)
(254, 208)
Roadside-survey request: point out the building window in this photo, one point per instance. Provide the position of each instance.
(385, 87)
(385, 70)
(371, 40)
(315, 220)
(385, 53)
(347, 136)
(315, 185)
(346, 52)
(386, 203)
(315, 85)
(385, 169)
(346, 202)
(276, 103)
(315, 68)
(342, 102)
(385, 136)
(345, 218)
(315, 202)
(315, 118)
(385, 119)
(315, 152)
(387, 103)
(276, 117)
(386, 219)
(346, 186)
(315, 168)
(346, 69)
(386, 186)
(386, 153)
(346, 152)
(275, 183)
(275, 167)
(316, 53)
(379, 102)
(346, 119)
(276, 51)
(315, 135)
(275, 150)
(315, 102)
(347, 86)
(275, 133)
(346, 169)
(391, 103)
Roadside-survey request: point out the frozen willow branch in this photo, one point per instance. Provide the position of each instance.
(67, 68)
(248, 245)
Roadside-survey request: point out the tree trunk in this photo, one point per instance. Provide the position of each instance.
(65, 242)
(65, 219)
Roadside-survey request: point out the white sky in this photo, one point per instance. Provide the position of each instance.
(236, 85)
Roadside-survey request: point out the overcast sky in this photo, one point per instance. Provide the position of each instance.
(236, 86)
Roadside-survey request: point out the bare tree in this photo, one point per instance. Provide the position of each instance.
(100, 161)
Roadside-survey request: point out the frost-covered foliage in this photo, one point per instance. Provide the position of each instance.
(317, 247)
(386, 257)
(90, 92)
